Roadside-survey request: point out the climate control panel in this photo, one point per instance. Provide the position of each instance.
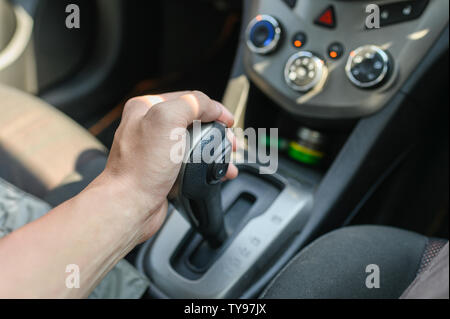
(320, 59)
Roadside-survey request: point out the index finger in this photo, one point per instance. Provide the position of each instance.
(190, 107)
(159, 98)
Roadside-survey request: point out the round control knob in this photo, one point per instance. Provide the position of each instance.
(304, 71)
(368, 66)
(263, 34)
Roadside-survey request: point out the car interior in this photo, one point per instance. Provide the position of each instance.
(361, 110)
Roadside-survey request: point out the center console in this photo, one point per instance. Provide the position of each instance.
(345, 98)
(262, 215)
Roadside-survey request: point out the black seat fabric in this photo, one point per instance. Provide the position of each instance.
(334, 266)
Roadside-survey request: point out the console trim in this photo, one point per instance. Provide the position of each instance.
(252, 248)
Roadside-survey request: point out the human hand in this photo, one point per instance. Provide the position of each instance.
(140, 156)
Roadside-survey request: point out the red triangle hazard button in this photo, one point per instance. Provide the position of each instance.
(327, 18)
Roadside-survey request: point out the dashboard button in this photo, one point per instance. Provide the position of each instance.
(335, 50)
(368, 66)
(299, 40)
(304, 71)
(263, 34)
(217, 172)
(327, 18)
(290, 3)
(401, 11)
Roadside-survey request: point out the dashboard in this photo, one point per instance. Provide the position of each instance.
(338, 59)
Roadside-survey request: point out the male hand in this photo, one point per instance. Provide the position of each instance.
(140, 155)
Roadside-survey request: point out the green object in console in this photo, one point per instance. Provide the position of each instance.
(303, 154)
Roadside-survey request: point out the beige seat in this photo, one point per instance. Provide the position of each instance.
(39, 146)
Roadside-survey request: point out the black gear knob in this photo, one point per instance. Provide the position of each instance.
(197, 190)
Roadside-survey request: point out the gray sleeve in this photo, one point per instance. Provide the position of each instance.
(18, 208)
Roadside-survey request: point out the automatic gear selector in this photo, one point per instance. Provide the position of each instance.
(219, 237)
(197, 189)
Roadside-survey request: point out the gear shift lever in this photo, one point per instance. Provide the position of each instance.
(197, 190)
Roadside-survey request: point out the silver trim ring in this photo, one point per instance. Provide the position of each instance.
(380, 78)
(320, 64)
(276, 38)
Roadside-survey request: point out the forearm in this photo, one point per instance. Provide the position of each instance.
(124, 206)
(94, 230)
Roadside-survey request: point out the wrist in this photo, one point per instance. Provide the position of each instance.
(124, 191)
(139, 214)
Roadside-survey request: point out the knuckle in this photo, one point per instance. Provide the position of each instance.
(133, 101)
(158, 112)
(170, 114)
(130, 105)
(200, 95)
